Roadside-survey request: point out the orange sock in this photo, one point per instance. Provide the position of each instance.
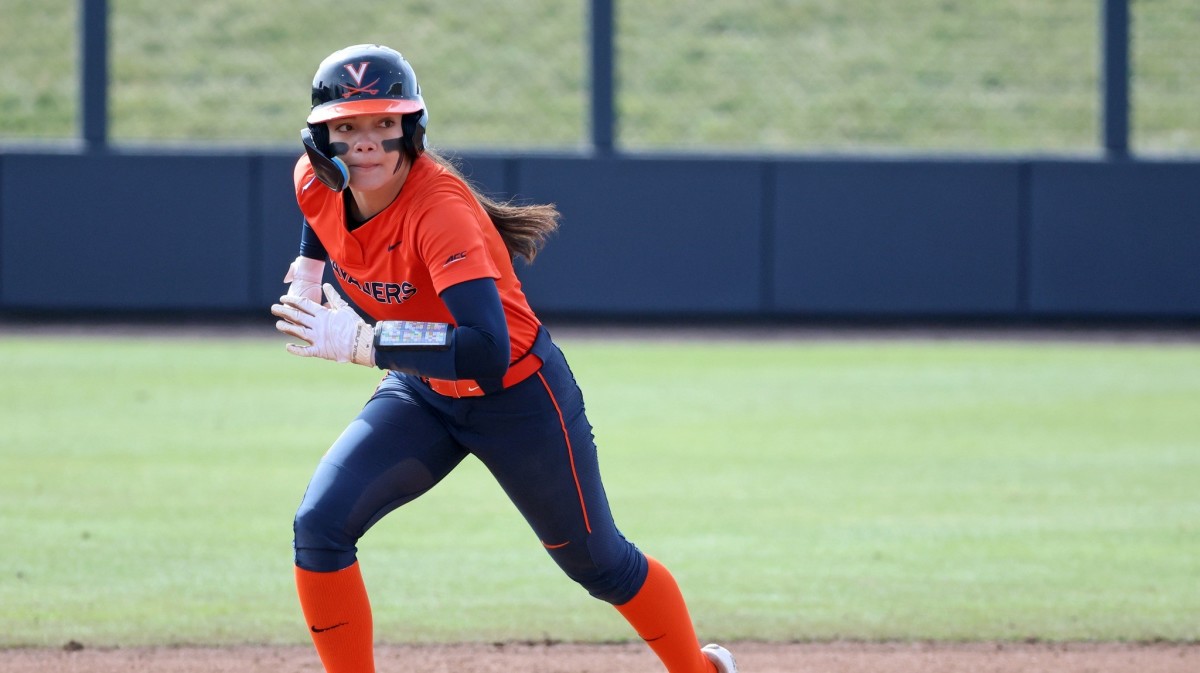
(660, 616)
(338, 613)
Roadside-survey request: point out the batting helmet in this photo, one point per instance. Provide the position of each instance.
(369, 79)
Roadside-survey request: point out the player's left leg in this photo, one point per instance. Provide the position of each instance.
(550, 470)
(660, 616)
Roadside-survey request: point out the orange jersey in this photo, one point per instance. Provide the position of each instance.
(433, 235)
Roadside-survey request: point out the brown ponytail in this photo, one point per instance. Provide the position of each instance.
(523, 228)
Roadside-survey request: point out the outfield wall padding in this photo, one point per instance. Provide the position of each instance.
(659, 237)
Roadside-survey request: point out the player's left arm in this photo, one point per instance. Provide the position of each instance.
(449, 240)
(477, 348)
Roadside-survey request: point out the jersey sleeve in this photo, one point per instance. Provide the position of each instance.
(301, 173)
(450, 240)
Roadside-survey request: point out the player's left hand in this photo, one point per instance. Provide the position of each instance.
(333, 332)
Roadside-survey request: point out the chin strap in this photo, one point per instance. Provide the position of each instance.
(330, 170)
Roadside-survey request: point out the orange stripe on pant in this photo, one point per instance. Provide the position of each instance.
(570, 451)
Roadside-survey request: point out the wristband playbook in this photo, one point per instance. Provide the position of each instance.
(412, 335)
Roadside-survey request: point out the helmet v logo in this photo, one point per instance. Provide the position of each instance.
(358, 73)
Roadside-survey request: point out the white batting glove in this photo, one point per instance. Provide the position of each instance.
(305, 275)
(333, 333)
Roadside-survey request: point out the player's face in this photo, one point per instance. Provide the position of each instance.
(370, 146)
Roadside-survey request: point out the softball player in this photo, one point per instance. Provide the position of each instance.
(470, 369)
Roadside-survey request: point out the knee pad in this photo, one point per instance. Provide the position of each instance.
(321, 543)
(610, 568)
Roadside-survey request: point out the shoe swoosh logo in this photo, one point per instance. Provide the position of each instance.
(328, 628)
(471, 389)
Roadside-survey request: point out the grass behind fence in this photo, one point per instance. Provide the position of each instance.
(786, 75)
(809, 490)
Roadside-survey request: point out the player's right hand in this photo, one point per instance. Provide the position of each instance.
(305, 275)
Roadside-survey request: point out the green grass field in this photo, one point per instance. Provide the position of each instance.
(777, 76)
(950, 490)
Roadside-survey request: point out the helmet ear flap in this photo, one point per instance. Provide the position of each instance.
(330, 170)
(319, 134)
(413, 125)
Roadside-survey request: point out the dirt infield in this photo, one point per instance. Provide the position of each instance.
(753, 657)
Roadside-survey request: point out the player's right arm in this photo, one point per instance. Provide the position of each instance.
(305, 272)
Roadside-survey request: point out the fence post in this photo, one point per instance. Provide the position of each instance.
(1116, 78)
(602, 48)
(93, 52)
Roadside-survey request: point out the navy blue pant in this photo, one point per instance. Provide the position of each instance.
(534, 438)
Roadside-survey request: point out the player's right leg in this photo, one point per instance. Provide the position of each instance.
(394, 451)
